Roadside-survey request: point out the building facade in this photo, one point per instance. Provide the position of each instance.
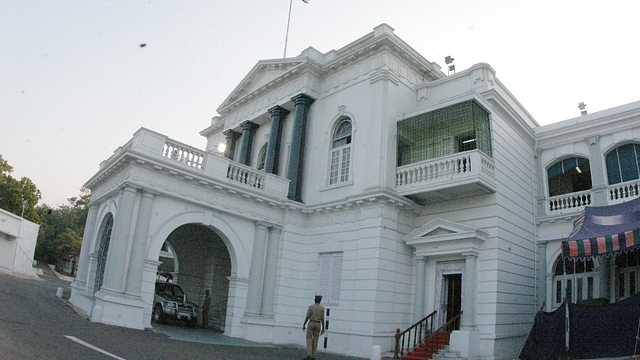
(365, 175)
(18, 238)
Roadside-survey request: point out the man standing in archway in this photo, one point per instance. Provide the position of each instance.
(205, 309)
(315, 317)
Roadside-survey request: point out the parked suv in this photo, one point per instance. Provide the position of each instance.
(170, 302)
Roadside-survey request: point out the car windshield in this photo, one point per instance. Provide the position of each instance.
(177, 291)
(169, 289)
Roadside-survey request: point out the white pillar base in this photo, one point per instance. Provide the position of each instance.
(465, 343)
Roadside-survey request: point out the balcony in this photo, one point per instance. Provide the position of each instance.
(571, 203)
(216, 172)
(455, 176)
(574, 203)
(623, 192)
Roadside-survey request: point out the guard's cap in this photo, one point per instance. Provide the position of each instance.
(318, 297)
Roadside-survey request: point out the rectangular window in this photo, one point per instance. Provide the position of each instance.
(621, 286)
(579, 285)
(330, 277)
(344, 166)
(340, 163)
(335, 163)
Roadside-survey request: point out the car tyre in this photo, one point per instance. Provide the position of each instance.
(158, 315)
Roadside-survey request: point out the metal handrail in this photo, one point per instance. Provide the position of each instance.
(413, 335)
(448, 327)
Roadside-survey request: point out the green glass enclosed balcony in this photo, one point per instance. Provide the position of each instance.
(445, 154)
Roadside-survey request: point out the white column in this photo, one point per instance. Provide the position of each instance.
(119, 245)
(80, 283)
(139, 248)
(468, 321)
(541, 296)
(238, 289)
(598, 182)
(91, 276)
(256, 273)
(271, 268)
(418, 311)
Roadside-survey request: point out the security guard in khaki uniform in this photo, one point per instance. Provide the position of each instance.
(315, 317)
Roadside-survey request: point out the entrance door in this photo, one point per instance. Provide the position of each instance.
(451, 296)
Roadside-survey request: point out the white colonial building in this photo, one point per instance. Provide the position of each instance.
(368, 176)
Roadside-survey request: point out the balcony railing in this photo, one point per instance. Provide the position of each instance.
(198, 165)
(625, 191)
(461, 174)
(573, 202)
(182, 153)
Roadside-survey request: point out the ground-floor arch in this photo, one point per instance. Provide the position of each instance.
(205, 265)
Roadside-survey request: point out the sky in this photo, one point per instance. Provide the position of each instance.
(75, 82)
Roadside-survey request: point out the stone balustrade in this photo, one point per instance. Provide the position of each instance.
(213, 169)
(573, 202)
(246, 175)
(183, 153)
(624, 191)
(444, 168)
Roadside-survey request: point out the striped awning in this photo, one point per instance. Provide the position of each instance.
(602, 245)
(604, 231)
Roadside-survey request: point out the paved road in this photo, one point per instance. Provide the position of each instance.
(35, 324)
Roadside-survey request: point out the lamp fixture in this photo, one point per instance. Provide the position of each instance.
(451, 66)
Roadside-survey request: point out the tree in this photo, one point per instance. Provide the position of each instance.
(19, 197)
(61, 229)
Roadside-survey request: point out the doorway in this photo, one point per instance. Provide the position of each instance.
(452, 296)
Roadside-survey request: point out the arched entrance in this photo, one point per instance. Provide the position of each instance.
(205, 264)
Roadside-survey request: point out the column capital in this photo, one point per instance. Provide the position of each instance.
(263, 224)
(593, 140)
(248, 125)
(231, 134)
(537, 153)
(278, 111)
(470, 254)
(303, 99)
(128, 188)
(149, 193)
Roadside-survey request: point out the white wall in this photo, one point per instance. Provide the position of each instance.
(17, 244)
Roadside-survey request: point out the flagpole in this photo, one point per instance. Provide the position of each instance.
(286, 38)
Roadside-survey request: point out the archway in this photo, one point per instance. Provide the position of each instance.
(205, 264)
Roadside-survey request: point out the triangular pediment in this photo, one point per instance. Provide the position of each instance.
(439, 231)
(439, 227)
(264, 75)
(443, 237)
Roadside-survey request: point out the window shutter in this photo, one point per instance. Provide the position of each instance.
(330, 277)
(336, 278)
(325, 275)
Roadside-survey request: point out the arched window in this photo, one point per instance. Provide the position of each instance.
(574, 280)
(569, 175)
(623, 163)
(105, 239)
(341, 153)
(262, 156)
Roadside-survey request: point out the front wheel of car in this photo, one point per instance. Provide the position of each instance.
(158, 315)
